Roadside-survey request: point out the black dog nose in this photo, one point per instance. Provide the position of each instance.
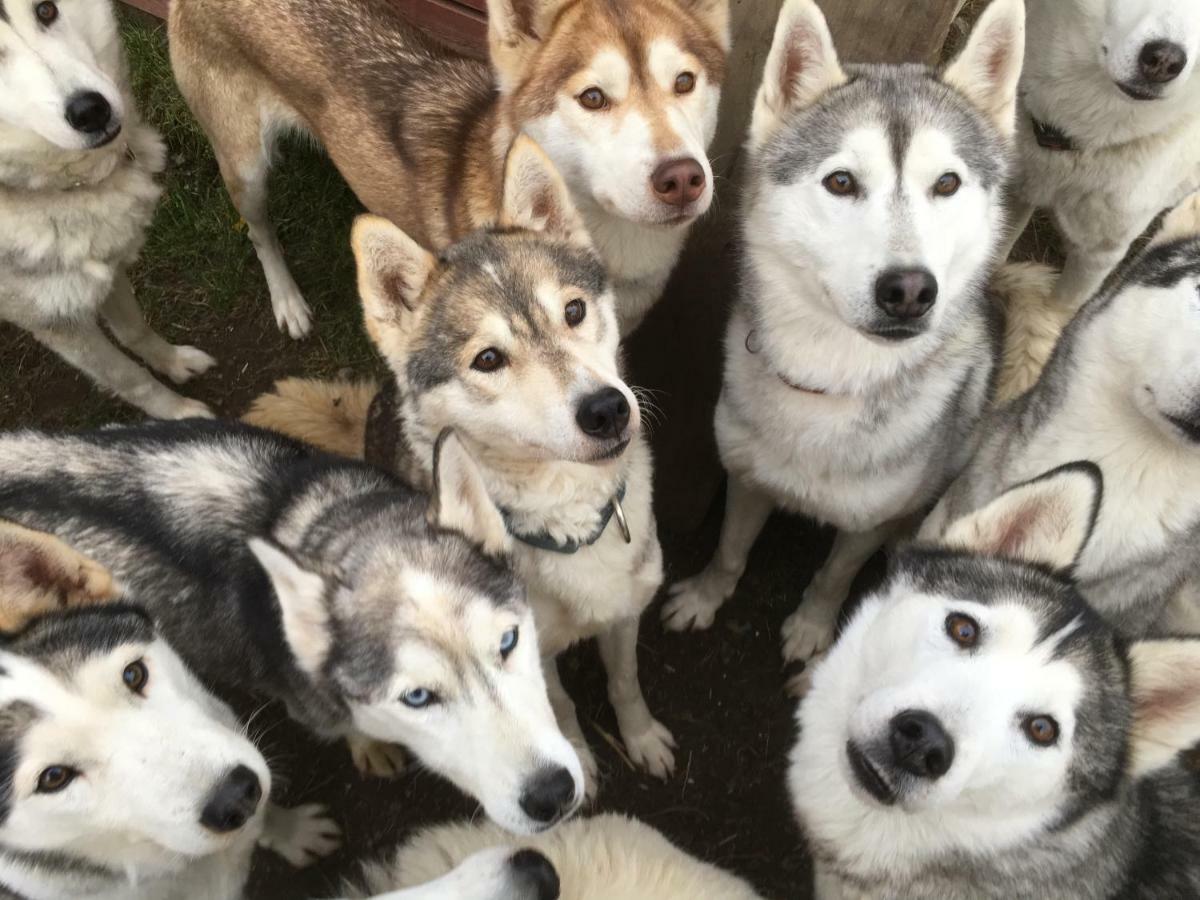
(604, 414)
(534, 876)
(678, 182)
(1161, 62)
(906, 293)
(548, 795)
(88, 112)
(920, 744)
(233, 802)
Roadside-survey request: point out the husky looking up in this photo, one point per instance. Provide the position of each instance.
(862, 347)
(77, 193)
(367, 608)
(977, 729)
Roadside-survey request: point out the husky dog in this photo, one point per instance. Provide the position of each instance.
(510, 337)
(622, 95)
(603, 858)
(862, 348)
(280, 571)
(1122, 389)
(974, 731)
(77, 193)
(121, 778)
(1109, 125)
(39, 573)
(492, 874)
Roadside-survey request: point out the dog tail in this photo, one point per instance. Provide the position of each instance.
(331, 415)
(1033, 323)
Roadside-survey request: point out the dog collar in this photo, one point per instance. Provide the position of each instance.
(543, 541)
(1051, 137)
(754, 347)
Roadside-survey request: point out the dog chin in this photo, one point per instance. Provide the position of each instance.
(1139, 93)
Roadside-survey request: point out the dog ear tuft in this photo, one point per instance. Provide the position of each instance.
(516, 29)
(535, 196)
(460, 500)
(40, 573)
(301, 596)
(801, 66)
(392, 271)
(715, 16)
(1044, 522)
(1165, 684)
(988, 70)
(1181, 223)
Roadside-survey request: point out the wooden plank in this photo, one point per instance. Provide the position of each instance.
(888, 31)
(154, 7)
(461, 25)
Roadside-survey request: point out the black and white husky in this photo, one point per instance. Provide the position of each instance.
(366, 607)
(861, 350)
(979, 731)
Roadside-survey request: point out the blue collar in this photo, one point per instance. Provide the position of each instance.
(542, 540)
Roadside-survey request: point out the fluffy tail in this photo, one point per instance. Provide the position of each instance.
(331, 415)
(1033, 325)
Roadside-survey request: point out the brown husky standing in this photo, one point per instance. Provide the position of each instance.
(621, 94)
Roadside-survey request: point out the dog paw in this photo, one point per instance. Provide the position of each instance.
(799, 684)
(188, 409)
(694, 603)
(186, 363)
(376, 759)
(301, 835)
(653, 750)
(591, 772)
(292, 313)
(805, 636)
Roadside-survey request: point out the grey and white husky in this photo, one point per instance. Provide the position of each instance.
(1109, 125)
(979, 731)
(366, 607)
(77, 193)
(862, 347)
(1121, 389)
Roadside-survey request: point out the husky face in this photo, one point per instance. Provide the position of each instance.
(59, 67)
(876, 191)
(510, 337)
(113, 753)
(1149, 47)
(622, 97)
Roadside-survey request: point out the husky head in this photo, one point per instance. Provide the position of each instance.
(875, 196)
(1151, 327)
(975, 702)
(113, 755)
(621, 95)
(431, 644)
(60, 65)
(510, 336)
(1149, 47)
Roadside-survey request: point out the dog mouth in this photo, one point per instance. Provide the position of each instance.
(896, 334)
(612, 452)
(1189, 427)
(868, 776)
(1136, 92)
(107, 138)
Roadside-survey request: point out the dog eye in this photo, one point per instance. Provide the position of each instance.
(1042, 731)
(841, 184)
(489, 360)
(947, 185)
(135, 676)
(685, 83)
(419, 698)
(54, 779)
(963, 630)
(593, 98)
(46, 12)
(576, 312)
(508, 643)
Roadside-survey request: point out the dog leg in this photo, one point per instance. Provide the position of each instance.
(376, 759)
(568, 724)
(1084, 274)
(124, 317)
(809, 630)
(647, 741)
(301, 835)
(695, 602)
(85, 346)
(1020, 214)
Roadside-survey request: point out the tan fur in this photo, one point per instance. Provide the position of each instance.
(1033, 325)
(1166, 694)
(1182, 222)
(40, 574)
(331, 415)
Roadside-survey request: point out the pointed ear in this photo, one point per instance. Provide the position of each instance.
(392, 272)
(39, 573)
(535, 197)
(460, 500)
(801, 66)
(1165, 678)
(516, 29)
(301, 596)
(1181, 223)
(989, 68)
(1045, 522)
(714, 14)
